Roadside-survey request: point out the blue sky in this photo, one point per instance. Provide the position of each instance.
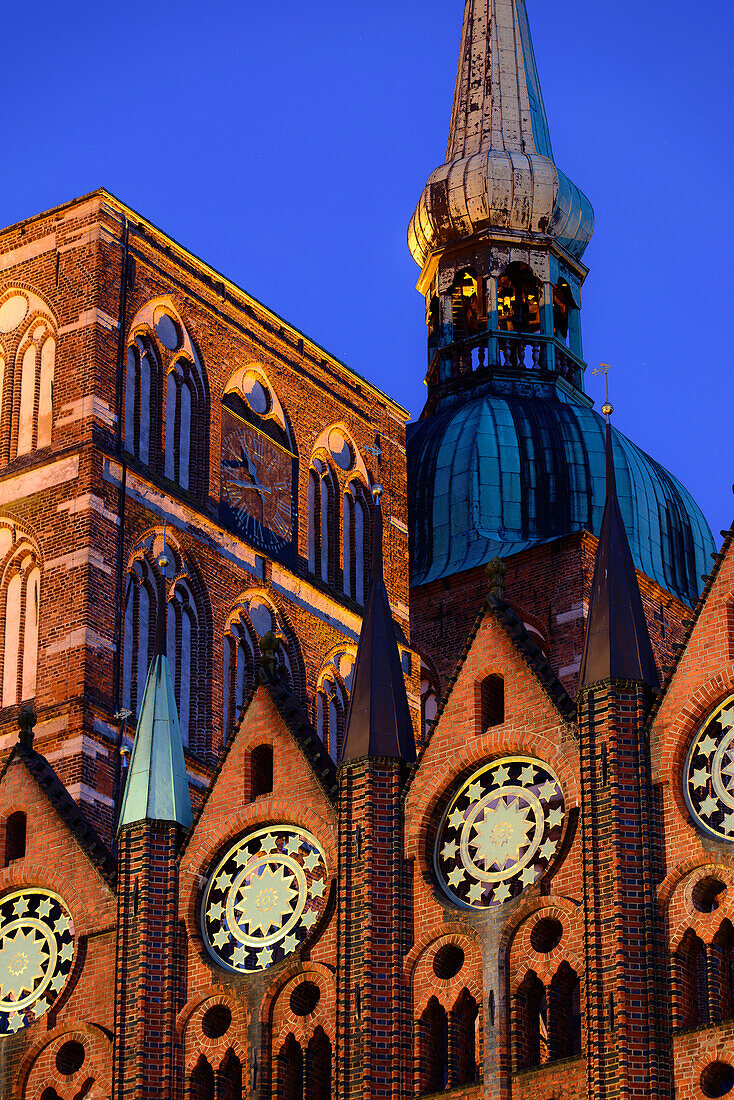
(288, 144)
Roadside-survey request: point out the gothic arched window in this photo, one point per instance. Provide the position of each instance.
(531, 1023)
(463, 1025)
(332, 704)
(141, 400)
(37, 357)
(565, 1013)
(318, 1066)
(201, 1081)
(184, 643)
(182, 452)
(692, 993)
(433, 1048)
(229, 1078)
(141, 608)
(290, 1070)
(20, 598)
(321, 520)
(721, 971)
(356, 540)
(239, 669)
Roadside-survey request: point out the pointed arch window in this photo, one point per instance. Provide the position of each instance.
(229, 1078)
(356, 538)
(239, 669)
(181, 409)
(37, 357)
(141, 400)
(318, 1066)
(141, 606)
(183, 656)
(290, 1070)
(531, 1023)
(321, 520)
(20, 598)
(433, 1048)
(565, 1013)
(721, 973)
(201, 1081)
(332, 704)
(463, 1041)
(691, 996)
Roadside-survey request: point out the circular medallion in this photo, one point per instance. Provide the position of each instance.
(499, 832)
(341, 450)
(263, 898)
(12, 312)
(36, 953)
(709, 774)
(255, 394)
(166, 330)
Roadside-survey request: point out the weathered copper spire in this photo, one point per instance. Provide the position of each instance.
(379, 722)
(617, 644)
(499, 173)
(157, 787)
(498, 103)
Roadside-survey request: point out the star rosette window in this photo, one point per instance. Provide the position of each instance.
(36, 955)
(264, 898)
(709, 774)
(500, 832)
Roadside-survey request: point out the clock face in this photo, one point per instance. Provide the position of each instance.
(257, 485)
(36, 954)
(709, 774)
(499, 833)
(264, 898)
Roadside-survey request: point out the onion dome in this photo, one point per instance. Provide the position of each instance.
(499, 172)
(499, 473)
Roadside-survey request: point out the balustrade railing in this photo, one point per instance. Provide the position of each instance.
(505, 351)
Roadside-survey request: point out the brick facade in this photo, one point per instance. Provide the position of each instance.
(600, 967)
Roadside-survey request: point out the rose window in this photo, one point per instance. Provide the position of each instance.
(709, 775)
(499, 833)
(36, 954)
(264, 898)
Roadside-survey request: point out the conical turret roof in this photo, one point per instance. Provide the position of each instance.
(617, 644)
(157, 786)
(379, 722)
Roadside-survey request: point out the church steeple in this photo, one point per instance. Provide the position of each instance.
(617, 644)
(500, 105)
(157, 786)
(499, 230)
(379, 723)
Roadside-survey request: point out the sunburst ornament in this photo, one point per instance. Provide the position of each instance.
(709, 773)
(499, 833)
(36, 955)
(263, 898)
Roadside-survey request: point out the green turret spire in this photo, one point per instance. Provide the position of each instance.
(157, 786)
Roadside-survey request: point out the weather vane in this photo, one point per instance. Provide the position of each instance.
(376, 451)
(604, 368)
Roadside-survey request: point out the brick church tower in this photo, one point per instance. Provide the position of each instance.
(342, 758)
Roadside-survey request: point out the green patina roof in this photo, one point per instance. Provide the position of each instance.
(157, 786)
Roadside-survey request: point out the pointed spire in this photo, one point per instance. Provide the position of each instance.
(617, 644)
(498, 103)
(157, 786)
(379, 722)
